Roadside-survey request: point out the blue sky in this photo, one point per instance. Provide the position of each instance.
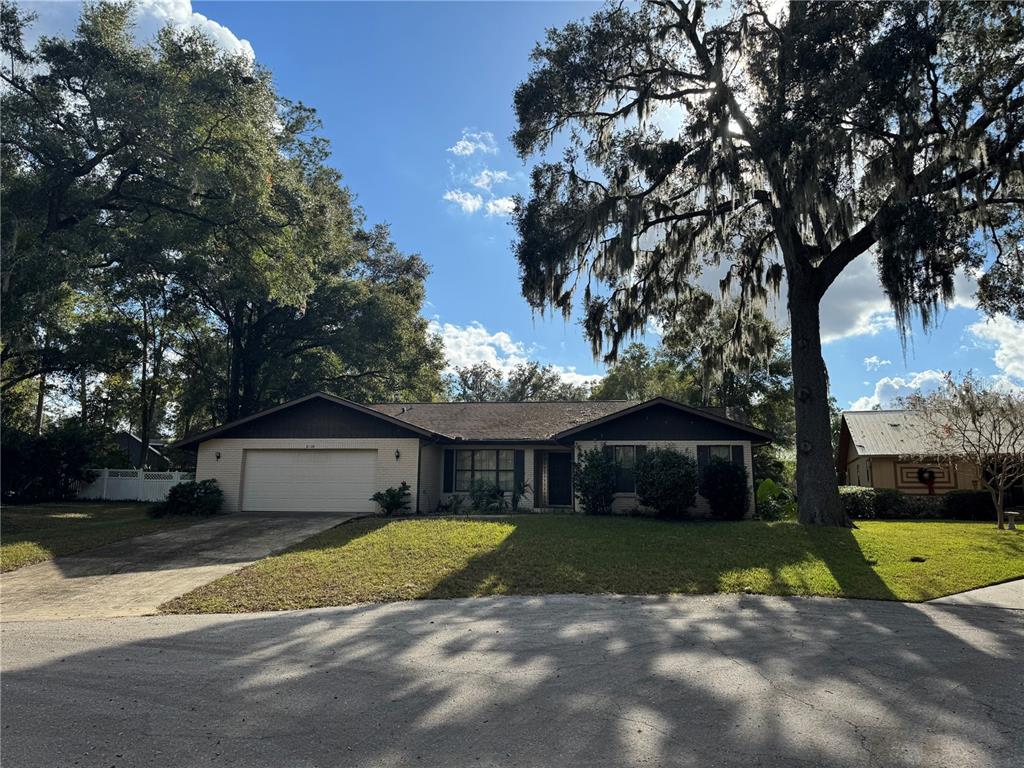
(417, 101)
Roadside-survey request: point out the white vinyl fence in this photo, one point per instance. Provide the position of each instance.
(132, 484)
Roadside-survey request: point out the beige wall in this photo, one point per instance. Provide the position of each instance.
(627, 502)
(892, 472)
(229, 469)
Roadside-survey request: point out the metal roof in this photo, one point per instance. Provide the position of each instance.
(887, 433)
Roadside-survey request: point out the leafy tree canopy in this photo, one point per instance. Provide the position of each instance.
(483, 382)
(774, 151)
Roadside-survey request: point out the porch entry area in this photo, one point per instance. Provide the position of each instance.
(552, 473)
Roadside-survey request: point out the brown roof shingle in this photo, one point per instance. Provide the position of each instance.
(501, 421)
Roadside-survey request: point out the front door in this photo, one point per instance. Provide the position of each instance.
(560, 479)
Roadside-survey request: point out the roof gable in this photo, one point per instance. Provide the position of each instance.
(665, 419)
(318, 415)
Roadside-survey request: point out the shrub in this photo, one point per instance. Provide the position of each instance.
(393, 500)
(968, 505)
(518, 492)
(487, 498)
(204, 498)
(594, 481)
(451, 507)
(666, 481)
(774, 501)
(890, 504)
(863, 503)
(858, 501)
(724, 485)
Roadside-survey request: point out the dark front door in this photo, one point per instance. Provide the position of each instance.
(560, 479)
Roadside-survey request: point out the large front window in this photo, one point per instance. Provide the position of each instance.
(498, 467)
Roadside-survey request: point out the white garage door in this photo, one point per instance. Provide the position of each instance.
(309, 481)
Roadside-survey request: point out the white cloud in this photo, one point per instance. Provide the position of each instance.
(1007, 337)
(889, 389)
(855, 305)
(151, 15)
(500, 206)
(488, 178)
(474, 141)
(467, 201)
(874, 362)
(466, 345)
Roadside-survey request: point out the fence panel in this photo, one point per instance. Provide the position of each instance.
(132, 485)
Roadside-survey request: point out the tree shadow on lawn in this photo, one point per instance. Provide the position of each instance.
(568, 681)
(667, 558)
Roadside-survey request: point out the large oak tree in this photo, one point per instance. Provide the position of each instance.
(778, 148)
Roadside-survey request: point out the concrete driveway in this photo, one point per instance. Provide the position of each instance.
(133, 577)
(583, 681)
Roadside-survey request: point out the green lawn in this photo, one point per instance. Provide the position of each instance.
(381, 560)
(33, 533)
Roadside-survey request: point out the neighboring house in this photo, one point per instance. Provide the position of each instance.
(889, 449)
(323, 453)
(132, 446)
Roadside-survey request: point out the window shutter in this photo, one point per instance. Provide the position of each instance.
(737, 455)
(520, 468)
(640, 451)
(703, 457)
(449, 470)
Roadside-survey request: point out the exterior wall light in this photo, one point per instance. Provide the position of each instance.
(398, 454)
(218, 455)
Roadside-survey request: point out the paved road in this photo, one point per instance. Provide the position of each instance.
(1007, 595)
(554, 681)
(134, 576)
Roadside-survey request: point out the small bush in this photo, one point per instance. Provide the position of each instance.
(594, 481)
(518, 493)
(724, 485)
(858, 501)
(453, 506)
(201, 499)
(487, 498)
(968, 505)
(666, 481)
(774, 501)
(393, 500)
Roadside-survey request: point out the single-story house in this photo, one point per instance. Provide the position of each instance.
(888, 449)
(321, 453)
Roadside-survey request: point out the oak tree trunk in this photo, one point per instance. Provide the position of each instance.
(817, 487)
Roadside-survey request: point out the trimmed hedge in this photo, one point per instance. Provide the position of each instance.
(889, 504)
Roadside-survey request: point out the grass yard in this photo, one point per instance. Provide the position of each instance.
(382, 560)
(36, 532)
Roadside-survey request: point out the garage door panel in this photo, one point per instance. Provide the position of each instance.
(309, 480)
